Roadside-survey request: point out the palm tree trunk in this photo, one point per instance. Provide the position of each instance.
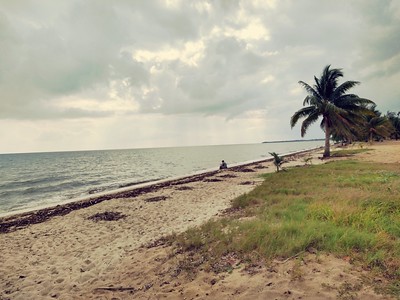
(327, 151)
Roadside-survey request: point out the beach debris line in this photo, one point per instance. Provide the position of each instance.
(228, 176)
(260, 167)
(107, 216)
(156, 199)
(212, 180)
(244, 170)
(247, 183)
(123, 289)
(19, 221)
(184, 188)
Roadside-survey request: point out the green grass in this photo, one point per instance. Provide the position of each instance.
(347, 208)
(348, 152)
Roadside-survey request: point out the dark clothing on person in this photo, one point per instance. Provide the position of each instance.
(223, 165)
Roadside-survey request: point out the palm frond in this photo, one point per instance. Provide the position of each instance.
(307, 100)
(310, 90)
(313, 101)
(301, 113)
(328, 81)
(344, 126)
(331, 109)
(317, 85)
(344, 87)
(311, 119)
(348, 100)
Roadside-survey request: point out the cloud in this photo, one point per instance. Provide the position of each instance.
(97, 61)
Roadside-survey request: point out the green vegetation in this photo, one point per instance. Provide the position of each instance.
(278, 161)
(348, 208)
(340, 112)
(376, 126)
(348, 152)
(345, 117)
(395, 121)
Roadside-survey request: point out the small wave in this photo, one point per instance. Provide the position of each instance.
(32, 182)
(96, 190)
(115, 186)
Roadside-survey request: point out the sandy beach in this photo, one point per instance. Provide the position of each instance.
(96, 251)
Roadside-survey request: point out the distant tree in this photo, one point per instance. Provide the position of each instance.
(348, 138)
(395, 120)
(340, 112)
(376, 126)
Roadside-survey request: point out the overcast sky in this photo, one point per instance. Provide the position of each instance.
(100, 74)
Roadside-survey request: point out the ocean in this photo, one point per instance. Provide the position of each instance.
(31, 180)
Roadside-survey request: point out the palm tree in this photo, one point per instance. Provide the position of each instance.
(278, 161)
(395, 120)
(377, 126)
(340, 111)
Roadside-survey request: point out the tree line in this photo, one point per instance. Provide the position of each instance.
(346, 117)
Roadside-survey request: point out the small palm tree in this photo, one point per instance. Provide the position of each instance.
(340, 112)
(307, 161)
(278, 161)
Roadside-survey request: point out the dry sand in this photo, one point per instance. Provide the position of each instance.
(71, 256)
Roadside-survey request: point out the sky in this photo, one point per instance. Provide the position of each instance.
(99, 74)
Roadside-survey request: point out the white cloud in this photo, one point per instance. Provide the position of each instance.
(268, 78)
(181, 72)
(190, 54)
(253, 30)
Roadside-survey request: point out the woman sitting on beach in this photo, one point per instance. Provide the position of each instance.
(223, 165)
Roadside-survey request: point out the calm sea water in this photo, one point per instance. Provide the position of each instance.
(43, 179)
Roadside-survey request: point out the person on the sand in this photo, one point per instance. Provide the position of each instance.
(223, 165)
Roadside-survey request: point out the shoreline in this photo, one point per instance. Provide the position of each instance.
(81, 256)
(70, 252)
(35, 215)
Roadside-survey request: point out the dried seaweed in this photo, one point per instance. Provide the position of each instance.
(107, 216)
(156, 199)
